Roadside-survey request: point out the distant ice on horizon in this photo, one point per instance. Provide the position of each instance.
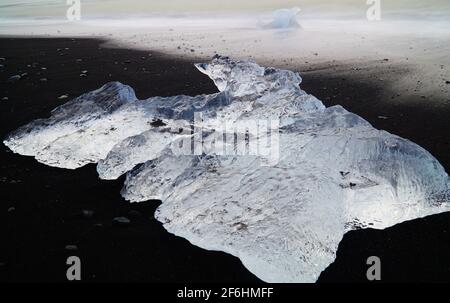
(284, 19)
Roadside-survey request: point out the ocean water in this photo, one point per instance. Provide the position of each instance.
(38, 9)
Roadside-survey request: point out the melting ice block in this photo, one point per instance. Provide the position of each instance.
(333, 171)
(285, 18)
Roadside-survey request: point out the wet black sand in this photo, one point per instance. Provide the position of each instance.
(40, 206)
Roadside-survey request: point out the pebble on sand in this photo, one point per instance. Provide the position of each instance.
(71, 247)
(14, 78)
(121, 221)
(87, 213)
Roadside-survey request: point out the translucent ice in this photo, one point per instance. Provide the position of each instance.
(284, 219)
(284, 18)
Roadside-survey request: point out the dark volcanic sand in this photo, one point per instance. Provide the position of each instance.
(48, 201)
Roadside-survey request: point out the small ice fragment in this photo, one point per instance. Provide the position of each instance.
(284, 19)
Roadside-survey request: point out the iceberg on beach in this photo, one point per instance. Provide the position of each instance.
(261, 169)
(285, 18)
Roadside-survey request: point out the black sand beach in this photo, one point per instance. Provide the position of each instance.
(41, 207)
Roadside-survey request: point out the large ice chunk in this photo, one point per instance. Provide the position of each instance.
(333, 171)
